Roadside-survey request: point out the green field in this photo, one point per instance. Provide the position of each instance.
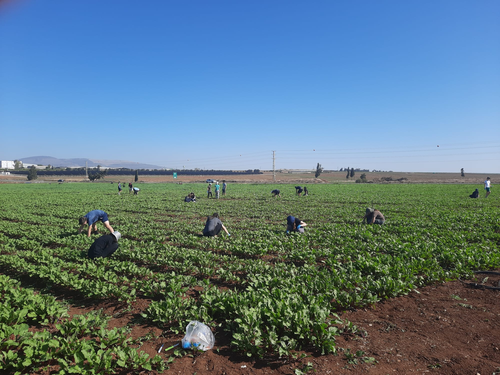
(272, 294)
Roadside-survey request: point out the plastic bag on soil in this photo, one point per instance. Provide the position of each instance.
(198, 336)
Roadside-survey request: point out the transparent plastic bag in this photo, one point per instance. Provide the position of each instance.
(198, 336)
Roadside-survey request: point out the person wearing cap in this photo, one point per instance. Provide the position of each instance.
(91, 220)
(104, 246)
(276, 192)
(374, 217)
(213, 226)
(294, 224)
(487, 186)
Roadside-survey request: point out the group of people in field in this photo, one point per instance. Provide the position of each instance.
(298, 190)
(217, 189)
(487, 187)
(131, 188)
(107, 244)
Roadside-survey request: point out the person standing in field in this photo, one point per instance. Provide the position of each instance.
(217, 190)
(224, 186)
(276, 192)
(209, 190)
(213, 226)
(294, 224)
(119, 188)
(104, 246)
(91, 220)
(487, 186)
(130, 186)
(374, 217)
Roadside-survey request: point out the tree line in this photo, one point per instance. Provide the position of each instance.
(129, 172)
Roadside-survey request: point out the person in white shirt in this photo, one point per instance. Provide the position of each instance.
(487, 186)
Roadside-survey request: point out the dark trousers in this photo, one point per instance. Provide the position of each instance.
(106, 252)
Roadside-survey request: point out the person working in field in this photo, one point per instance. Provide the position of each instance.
(298, 190)
(213, 226)
(294, 224)
(91, 220)
(475, 194)
(306, 192)
(374, 217)
(130, 186)
(224, 186)
(119, 188)
(136, 190)
(104, 246)
(487, 186)
(276, 192)
(190, 198)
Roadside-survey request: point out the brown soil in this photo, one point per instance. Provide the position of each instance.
(284, 178)
(446, 328)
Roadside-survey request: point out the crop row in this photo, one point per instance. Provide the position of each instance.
(270, 292)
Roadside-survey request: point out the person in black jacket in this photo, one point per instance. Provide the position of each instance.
(475, 194)
(104, 246)
(213, 226)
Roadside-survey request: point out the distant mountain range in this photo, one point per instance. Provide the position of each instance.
(80, 162)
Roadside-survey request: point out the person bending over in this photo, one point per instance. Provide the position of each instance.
(213, 226)
(91, 220)
(294, 224)
(374, 217)
(104, 246)
(276, 192)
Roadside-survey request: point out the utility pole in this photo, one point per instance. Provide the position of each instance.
(274, 171)
(86, 173)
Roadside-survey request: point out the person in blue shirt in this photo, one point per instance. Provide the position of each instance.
(217, 190)
(224, 186)
(91, 220)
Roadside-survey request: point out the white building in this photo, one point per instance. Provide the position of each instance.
(7, 164)
(29, 165)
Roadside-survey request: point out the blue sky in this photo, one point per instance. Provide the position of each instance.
(221, 84)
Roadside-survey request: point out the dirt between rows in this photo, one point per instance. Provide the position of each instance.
(280, 178)
(444, 328)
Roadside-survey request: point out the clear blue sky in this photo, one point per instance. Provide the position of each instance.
(221, 84)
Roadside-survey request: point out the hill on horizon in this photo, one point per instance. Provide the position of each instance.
(91, 163)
